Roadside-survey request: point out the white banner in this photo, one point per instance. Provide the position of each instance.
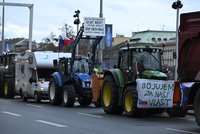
(94, 26)
(155, 93)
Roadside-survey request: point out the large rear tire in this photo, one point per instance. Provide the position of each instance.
(1, 84)
(197, 107)
(68, 95)
(130, 99)
(110, 96)
(55, 93)
(9, 87)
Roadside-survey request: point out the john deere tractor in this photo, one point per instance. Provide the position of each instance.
(119, 91)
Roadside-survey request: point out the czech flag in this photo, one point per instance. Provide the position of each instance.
(68, 41)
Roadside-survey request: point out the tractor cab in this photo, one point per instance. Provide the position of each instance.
(141, 62)
(81, 64)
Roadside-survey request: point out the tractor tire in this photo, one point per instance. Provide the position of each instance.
(55, 93)
(9, 87)
(85, 101)
(68, 99)
(110, 96)
(1, 84)
(177, 112)
(37, 98)
(130, 99)
(197, 107)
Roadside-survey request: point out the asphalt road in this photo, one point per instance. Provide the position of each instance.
(17, 117)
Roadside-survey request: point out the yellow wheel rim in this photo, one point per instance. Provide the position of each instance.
(5, 88)
(107, 94)
(128, 102)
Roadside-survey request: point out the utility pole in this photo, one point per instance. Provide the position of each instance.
(100, 48)
(2, 36)
(176, 5)
(30, 6)
(77, 22)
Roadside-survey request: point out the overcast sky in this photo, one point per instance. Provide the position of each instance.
(127, 16)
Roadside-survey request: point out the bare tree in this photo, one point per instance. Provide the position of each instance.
(67, 30)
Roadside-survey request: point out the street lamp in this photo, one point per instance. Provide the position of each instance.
(2, 36)
(176, 5)
(100, 47)
(77, 22)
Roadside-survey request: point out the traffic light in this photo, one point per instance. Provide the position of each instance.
(77, 20)
(177, 4)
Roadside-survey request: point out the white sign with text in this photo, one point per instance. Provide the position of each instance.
(155, 93)
(94, 26)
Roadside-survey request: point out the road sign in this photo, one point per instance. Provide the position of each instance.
(94, 26)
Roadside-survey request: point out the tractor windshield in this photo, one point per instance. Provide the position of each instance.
(81, 65)
(148, 60)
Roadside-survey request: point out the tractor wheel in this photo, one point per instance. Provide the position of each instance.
(177, 112)
(68, 95)
(1, 84)
(37, 98)
(197, 107)
(55, 94)
(130, 99)
(8, 87)
(85, 101)
(110, 96)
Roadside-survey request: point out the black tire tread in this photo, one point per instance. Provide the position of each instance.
(58, 94)
(113, 108)
(71, 95)
(197, 107)
(135, 111)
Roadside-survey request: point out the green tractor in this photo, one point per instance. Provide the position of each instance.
(119, 91)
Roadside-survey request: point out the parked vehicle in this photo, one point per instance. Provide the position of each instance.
(33, 71)
(72, 79)
(138, 85)
(7, 75)
(189, 62)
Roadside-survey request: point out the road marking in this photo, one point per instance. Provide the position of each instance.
(96, 116)
(13, 114)
(190, 119)
(32, 105)
(51, 123)
(182, 131)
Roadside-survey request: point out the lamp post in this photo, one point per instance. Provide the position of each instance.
(77, 22)
(100, 48)
(2, 36)
(177, 5)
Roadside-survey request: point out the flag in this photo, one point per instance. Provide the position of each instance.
(68, 40)
(60, 41)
